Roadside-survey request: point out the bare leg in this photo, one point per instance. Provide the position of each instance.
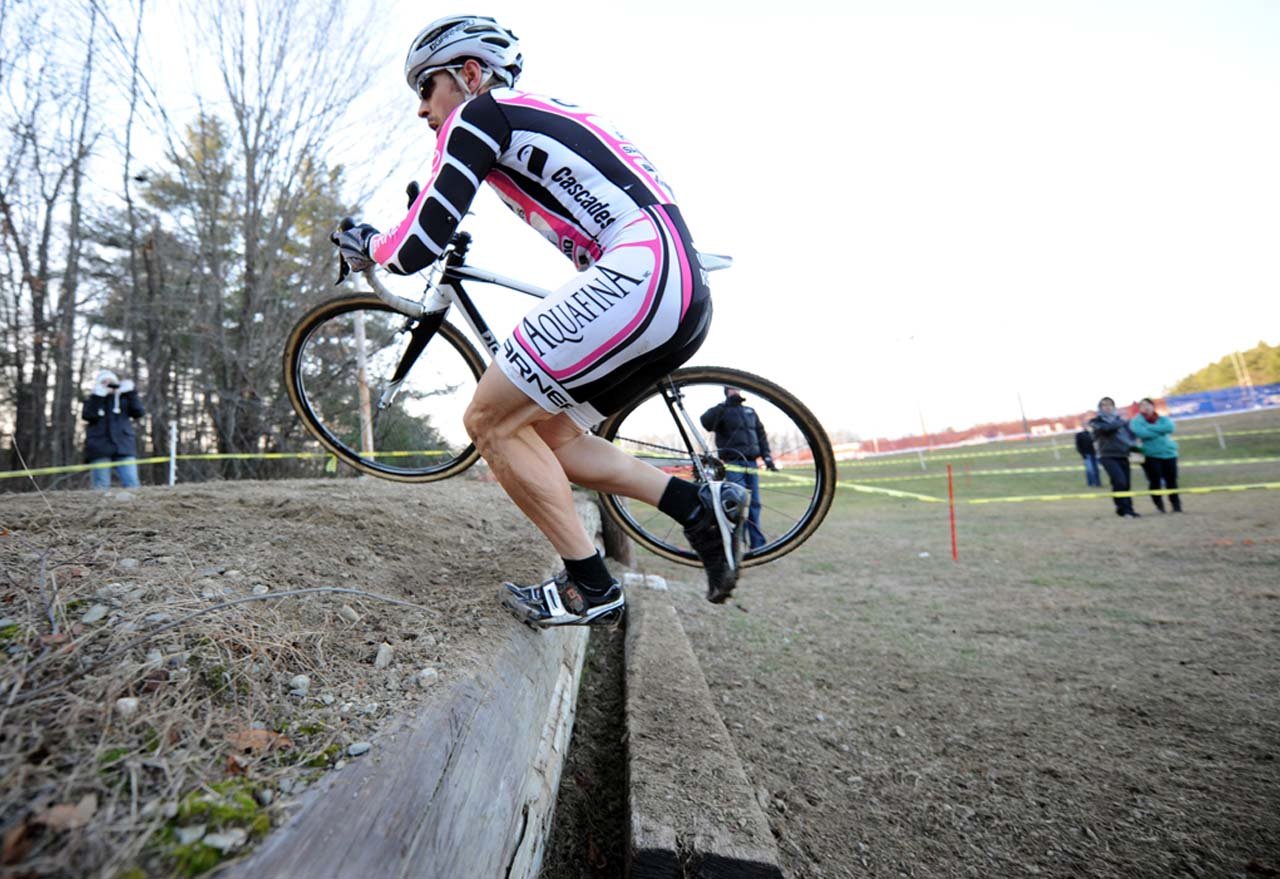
(501, 421)
(599, 465)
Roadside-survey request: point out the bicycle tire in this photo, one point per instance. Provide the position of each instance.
(331, 425)
(659, 534)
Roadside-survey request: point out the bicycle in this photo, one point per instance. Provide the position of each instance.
(360, 375)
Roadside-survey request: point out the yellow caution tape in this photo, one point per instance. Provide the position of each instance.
(1255, 432)
(871, 489)
(900, 455)
(212, 456)
(1017, 471)
(1200, 489)
(77, 468)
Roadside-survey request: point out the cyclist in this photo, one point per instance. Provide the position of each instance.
(639, 308)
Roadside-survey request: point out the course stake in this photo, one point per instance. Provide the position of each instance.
(951, 502)
(173, 452)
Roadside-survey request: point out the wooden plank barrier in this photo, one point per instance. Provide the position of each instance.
(693, 810)
(465, 787)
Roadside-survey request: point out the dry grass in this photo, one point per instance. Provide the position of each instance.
(217, 738)
(1079, 695)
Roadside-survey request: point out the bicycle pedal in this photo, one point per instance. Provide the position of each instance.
(517, 610)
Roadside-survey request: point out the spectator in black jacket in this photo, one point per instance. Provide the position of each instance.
(1084, 445)
(110, 435)
(740, 441)
(1113, 440)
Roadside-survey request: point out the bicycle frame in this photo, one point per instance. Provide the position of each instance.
(448, 291)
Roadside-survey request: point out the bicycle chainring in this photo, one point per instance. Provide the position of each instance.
(714, 467)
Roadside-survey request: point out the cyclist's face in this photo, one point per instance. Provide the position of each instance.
(439, 96)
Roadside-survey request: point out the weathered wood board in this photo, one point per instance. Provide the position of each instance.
(465, 787)
(693, 811)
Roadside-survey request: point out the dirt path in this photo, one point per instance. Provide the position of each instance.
(1078, 696)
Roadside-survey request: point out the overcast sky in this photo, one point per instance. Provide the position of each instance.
(931, 210)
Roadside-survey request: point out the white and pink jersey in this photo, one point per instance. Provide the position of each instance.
(640, 306)
(566, 172)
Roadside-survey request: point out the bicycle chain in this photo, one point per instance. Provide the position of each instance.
(681, 452)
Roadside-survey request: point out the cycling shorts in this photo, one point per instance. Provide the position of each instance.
(609, 335)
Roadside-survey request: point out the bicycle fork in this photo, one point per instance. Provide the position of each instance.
(419, 335)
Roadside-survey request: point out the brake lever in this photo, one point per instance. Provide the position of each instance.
(343, 269)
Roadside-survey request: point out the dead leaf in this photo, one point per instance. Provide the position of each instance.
(236, 765)
(16, 844)
(153, 680)
(259, 741)
(65, 816)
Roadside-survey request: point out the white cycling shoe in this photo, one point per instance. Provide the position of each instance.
(560, 602)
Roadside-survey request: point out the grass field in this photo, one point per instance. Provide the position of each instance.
(1078, 695)
(1052, 466)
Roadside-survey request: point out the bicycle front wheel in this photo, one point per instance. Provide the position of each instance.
(339, 364)
(788, 505)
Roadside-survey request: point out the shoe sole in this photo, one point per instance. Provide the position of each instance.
(730, 544)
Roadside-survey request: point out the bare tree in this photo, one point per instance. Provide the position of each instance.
(63, 413)
(191, 271)
(288, 69)
(45, 150)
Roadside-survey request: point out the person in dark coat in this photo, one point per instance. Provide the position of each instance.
(1114, 440)
(1084, 445)
(740, 441)
(110, 410)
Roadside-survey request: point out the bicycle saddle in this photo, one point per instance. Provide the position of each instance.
(713, 261)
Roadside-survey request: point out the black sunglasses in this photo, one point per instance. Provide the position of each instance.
(427, 82)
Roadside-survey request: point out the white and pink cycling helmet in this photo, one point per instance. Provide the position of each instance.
(458, 37)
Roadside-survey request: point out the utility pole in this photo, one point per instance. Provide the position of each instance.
(1026, 430)
(1243, 379)
(362, 388)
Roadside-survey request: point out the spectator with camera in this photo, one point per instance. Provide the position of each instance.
(110, 436)
(1114, 440)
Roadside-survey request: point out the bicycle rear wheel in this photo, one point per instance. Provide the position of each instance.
(339, 361)
(792, 501)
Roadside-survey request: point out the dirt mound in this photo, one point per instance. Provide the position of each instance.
(192, 696)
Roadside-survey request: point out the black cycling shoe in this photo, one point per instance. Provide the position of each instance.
(560, 602)
(717, 533)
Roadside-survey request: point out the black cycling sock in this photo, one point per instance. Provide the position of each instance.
(590, 574)
(680, 500)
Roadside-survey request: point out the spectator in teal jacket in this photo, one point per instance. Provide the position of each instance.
(1160, 452)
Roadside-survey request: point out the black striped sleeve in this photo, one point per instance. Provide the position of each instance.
(477, 136)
